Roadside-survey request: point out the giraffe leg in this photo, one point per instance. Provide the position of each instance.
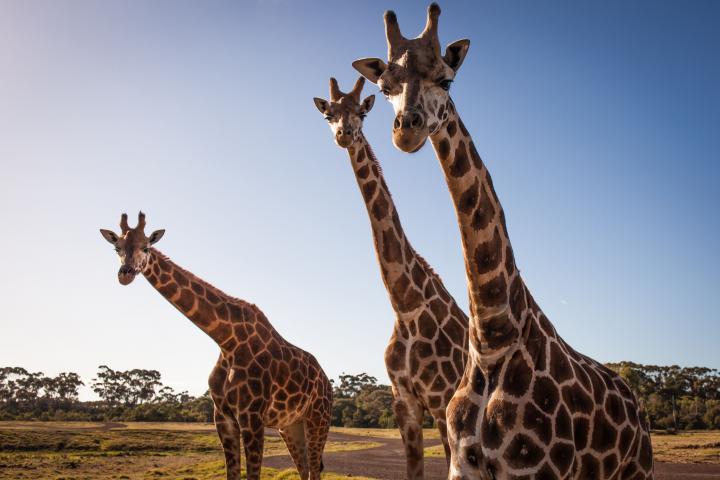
(294, 437)
(317, 426)
(442, 427)
(252, 431)
(228, 430)
(409, 416)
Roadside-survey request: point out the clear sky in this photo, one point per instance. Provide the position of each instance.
(599, 122)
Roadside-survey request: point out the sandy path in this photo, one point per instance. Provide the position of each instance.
(387, 462)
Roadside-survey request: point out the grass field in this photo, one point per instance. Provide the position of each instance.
(133, 451)
(84, 450)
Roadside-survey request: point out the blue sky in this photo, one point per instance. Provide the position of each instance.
(599, 122)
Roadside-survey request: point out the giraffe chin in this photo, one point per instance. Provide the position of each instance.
(126, 278)
(409, 142)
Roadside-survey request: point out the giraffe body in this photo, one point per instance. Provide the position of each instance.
(528, 405)
(427, 351)
(260, 380)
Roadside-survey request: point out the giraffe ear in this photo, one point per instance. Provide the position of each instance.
(156, 236)
(322, 105)
(455, 53)
(370, 68)
(367, 104)
(109, 235)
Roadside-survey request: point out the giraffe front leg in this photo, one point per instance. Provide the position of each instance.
(294, 437)
(317, 426)
(252, 431)
(409, 416)
(442, 427)
(228, 430)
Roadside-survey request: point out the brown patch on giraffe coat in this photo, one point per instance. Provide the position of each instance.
(469, 198)
(488, 255)
(368, 190)
(576, 399)
(380, 206)
(535, 344)
(610, 465)
(604, 434)
(563, 424)
(477, 382)
(498, 419)
(427, 325)
(626, 437)
(461, 163)
(494, 291)
(438, 309)
(392, 252)
(546, 326)
(444, 148)
(562, 455)
(186, 300)
(180, 279)
(590, 467)
(465, 415)
(581, 432)
(361, 155)
(598, 386)
(497, 332)
(615, 407)
(443, 345)
(517, 297)
(645, 457)
(560, 368)
(536, 421)
(523, 452)
(484, 213)
(418, 275)
(451, 128)
(169, 290)
(545, 394)
(363, 172)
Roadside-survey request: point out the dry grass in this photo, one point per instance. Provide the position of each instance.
(687, 447)
(65, 451)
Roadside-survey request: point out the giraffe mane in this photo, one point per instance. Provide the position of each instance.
(430, 270)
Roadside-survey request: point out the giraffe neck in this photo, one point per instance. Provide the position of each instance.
(213, 311)
(403, 270)
(497, 293)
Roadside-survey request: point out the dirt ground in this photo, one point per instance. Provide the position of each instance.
(387, 462)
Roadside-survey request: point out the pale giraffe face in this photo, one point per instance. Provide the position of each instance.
(344, 113)
(132, 247)
(416, 80)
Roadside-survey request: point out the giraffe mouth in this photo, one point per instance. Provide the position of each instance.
(126, 275)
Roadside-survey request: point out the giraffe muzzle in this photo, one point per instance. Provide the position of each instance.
(126, 275)
(410, 130)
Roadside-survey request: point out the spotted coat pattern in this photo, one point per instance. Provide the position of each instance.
(260, 379)
(427, 351)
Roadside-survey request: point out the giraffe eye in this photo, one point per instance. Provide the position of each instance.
(329, 118)
(362, 116)
(445, 84)
(385, 91)
(117, 249)
(146, 249)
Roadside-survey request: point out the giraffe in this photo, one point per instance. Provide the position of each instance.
(528, 405)
(427, 351)
(260, 379)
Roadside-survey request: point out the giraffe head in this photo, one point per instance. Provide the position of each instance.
(345, 112)
(132, 247)
(416, 79)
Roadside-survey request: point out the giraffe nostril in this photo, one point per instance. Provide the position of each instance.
(396, 123)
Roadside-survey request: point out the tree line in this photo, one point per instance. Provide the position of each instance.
(673, 397)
